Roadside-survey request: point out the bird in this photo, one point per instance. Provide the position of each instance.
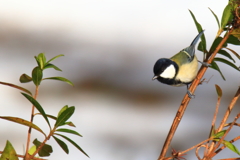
(181, 69)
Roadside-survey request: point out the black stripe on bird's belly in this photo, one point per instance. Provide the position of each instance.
(171, 81)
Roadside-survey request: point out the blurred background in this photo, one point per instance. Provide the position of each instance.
(110, 48)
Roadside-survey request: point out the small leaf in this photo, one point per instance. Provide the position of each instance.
(199, 28)
(215, 66)
(219, 134)
(227, 62)
(15, 86)
(37, 76)
(68, 131)
(62, 144)
(62, 110)
(233, 40)
(38, 106)
(227, 16)
(235, 53)
(41, 60)
(55, 118)
(64, 116)
(52, 66)
(60, 79)
(70, 124)
(219, 92)
(54, 58)
(225, 53)
(232, 147)
(236, 32)
(24, 78)
(22, 122)
(73, 143)
(215, 17)
(9, 152)
(45, 151)
(32, 149)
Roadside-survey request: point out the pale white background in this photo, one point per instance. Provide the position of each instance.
(110, 48)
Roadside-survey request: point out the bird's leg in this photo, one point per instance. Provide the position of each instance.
(205, 64)
(190, 95)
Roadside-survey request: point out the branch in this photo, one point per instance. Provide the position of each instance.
(30, 128)
(229, 109)
(186, 99)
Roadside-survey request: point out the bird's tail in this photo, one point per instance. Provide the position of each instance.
(194, 42)
(191, 49)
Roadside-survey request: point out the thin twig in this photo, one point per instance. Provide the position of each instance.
(213, 126)
(228, 124)
(30, 128)
(223, 137)
(186, 99)
(199, 144)
(229, 109)
(42, 144)
(196, 152)
(220, 149)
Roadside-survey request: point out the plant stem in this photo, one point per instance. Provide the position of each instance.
(42, 144)
(208, 149)
(186, 99)
(30, 128)
(229, 109)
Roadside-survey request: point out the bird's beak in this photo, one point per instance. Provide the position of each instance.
(155, 77)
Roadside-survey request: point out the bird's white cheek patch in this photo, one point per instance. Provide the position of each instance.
(169, 72)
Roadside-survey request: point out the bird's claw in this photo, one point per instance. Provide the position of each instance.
(205, 64)
(190, 95)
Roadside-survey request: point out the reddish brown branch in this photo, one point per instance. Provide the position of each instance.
(186, 99)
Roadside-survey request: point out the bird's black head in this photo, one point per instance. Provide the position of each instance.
(165, 70)
(161, 65)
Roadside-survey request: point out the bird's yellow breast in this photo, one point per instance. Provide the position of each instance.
(188, 71)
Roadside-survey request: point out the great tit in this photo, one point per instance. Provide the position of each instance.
(179, 70)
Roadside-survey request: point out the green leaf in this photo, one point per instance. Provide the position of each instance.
(219, 134)
(70, 124)
(32, 150)
(226, 54)
(54, 58)
(219, 91)
(236, 32)
(45, 151)
(38, 106)
(230, 146)
(22, 122)
(64, 116)
(199, 28)
(62, 144)
(9, 152)
(41, 60)
(68, 131)
(24, 78)
(235, 53)
(17, 87)
(60, 79)
(73, 143)
(55, 118)
(215, 17)
(216, 43)
(233, 40)
(52, 66)
(37, 76)
(227, 16)
(226, 62)
(215, 66)
(62, 110)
